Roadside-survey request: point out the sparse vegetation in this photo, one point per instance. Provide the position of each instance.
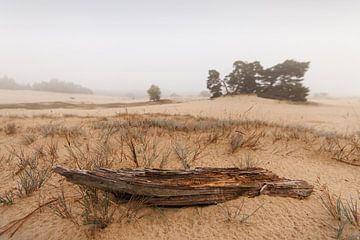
(28, 139)
(236, 213)
(241, 140)
(344, 211)
(51, 130)
(31, 179)
(7, 198)
(33, 169)
(97, 211)
(343, 148)
(10, 129)
(62, 208)
(156, 141)
(186, 153)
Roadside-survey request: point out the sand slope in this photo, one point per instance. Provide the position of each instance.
(280, 218)
(341, 115)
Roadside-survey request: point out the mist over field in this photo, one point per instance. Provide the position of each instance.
(125, 46)
(179, 119)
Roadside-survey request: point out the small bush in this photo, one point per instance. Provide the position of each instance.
(249, 140)
(62, 208)
(188, 153)
(7, 198)
(344, 211)
(31, 179)
(51, 130)
(236, 142)
(31, 176)
(332, 204)
(10, 129)
(90, 156)
(28, 139)
(96, 206)
(343, 149)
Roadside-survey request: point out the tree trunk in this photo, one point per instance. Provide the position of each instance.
(187, 187)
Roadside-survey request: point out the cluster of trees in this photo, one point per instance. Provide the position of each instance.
(10, 83)
(282, 81)
(53, 85)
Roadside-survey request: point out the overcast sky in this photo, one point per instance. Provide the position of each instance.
(128, 45)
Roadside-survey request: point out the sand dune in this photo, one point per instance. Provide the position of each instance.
(340, 115)
(294, 157)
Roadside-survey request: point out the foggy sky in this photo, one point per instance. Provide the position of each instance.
(128, 45)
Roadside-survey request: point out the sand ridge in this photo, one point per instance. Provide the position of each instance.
(279, 218)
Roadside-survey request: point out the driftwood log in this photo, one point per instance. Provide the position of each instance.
(198, 186)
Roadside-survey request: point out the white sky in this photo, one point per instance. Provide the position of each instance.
(128, 45)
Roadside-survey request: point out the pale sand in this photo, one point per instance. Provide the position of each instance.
(28, 96)
(281, 218)
(340, 115)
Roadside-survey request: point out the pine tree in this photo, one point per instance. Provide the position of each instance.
(244, 77)
(214, 84)
(284, 81)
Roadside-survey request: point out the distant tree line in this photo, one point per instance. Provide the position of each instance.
(10, 83)
(282, 81)
(53, 85)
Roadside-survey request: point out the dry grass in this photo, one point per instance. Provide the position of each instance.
(52, 130)
(344, 211)
(28, 139)
(34, 169)
(133, 207)
(188, 152)
(91, 155)
(31, 179)
(343, 148)
(333, 204)
(10, 129)
(7, 198)
(158, 141)
(97, 208)
(236, 213)
(250, 140)
(62, 207)
(246, 161)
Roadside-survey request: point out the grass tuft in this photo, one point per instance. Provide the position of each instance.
(10, 129)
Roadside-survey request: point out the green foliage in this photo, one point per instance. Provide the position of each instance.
(214, 84)
(154, 93)
(282, 81)
(244, 78)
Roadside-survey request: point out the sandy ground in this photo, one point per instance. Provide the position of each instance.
(28, 96)
(280, 218)
(340, 115)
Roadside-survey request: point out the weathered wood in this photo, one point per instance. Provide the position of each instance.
(187, 187)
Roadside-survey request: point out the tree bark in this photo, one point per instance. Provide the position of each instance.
(197, 186)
